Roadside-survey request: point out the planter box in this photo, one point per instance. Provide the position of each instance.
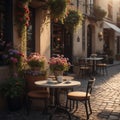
(31, 79)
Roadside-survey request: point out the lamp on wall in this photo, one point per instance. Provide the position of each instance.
(100, 36)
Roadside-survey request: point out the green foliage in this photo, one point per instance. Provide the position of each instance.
(36, 63)
(72, 19)
(13, 87)
(99, 13)
(57, 8)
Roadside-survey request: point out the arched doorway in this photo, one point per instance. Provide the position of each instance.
(61, 41)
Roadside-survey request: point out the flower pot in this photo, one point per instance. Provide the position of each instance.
(31, 79)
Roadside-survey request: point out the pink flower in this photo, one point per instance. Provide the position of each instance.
(59, 63)
(14, 60)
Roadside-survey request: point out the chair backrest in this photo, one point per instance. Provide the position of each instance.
(82, 62)
(90, 86)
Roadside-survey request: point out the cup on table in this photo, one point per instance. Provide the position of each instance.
(60, 78)
(49, 79)
(68, 80)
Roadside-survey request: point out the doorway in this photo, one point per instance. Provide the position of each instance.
(89, 40)
(61, 41)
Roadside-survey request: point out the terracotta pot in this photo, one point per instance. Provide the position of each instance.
(31, 79)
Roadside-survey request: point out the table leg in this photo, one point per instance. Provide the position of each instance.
(94, 68)
(57, 106)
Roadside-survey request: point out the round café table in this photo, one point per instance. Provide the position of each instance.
(55, 86)
(94, 59)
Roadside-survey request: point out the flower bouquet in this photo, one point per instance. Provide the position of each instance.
(59, 64)
(36, 61)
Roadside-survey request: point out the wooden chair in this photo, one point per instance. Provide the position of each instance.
(35, 93)
(102, 68)
(83, 97)
(84, 68)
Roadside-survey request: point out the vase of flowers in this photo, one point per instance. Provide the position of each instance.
(36, 70)
(36, 62)
(59, 64)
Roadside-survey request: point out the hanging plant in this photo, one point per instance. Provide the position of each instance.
(99, 13)
(73, 19)
(57, 8)
(22, 15)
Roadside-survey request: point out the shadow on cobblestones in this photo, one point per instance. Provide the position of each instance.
(105, 101)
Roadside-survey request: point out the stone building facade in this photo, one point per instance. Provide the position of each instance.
(85, 39)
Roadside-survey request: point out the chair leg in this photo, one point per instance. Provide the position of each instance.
(90, 107)
(66, 103)
(45, 110)
(70, 105)
(106, 70)
(76, 105)
(73, 104)
(86, 110)
(28, 105)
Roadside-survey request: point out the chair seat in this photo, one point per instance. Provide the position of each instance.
(38, 94)
(84, 67)
(77, 95)
(101, 65)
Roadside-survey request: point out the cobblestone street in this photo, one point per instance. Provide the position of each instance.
(105, 101)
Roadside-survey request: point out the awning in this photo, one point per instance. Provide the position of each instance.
(109, 25)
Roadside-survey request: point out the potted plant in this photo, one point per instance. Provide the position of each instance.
(59, 64)
(99, 13)
(36, 67)
(72, 19)
(13, 90)
(36, 61)
(57, 8)
(12, 57)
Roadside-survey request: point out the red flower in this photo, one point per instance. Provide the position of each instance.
(27, 24)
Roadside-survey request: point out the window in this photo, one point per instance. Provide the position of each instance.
(90, 6)
(57, 39)
(6, 26)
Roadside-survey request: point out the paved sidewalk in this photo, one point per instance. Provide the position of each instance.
(105, 101)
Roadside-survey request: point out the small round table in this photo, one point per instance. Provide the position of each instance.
(94, 59)
(55, 86)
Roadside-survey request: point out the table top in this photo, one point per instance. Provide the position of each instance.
(64, 77)
(55, 84)
(94, 58)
